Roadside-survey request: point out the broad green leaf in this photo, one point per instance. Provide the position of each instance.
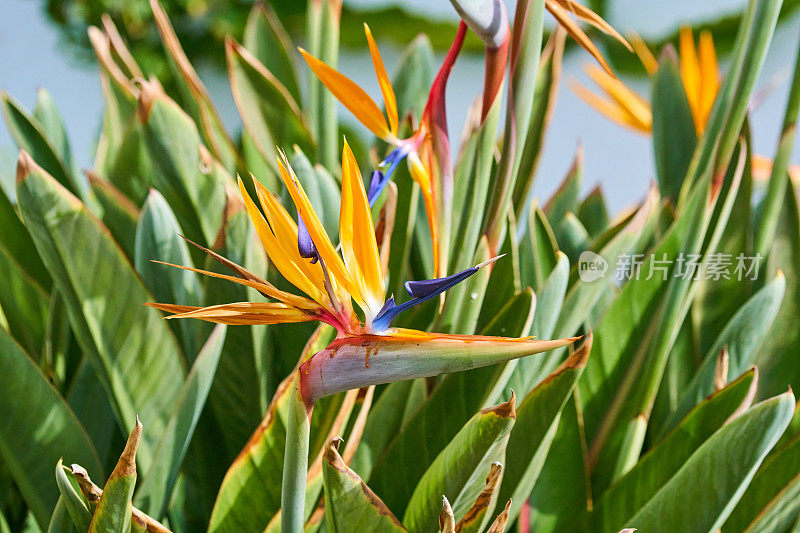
(644, 481)
(349, 503)
(565, 199)
(413, 77)
(29, 135)
(60, 521)
(113, 512)
(775, 359)
(24, 304)
(104, 297)
(267, 40)
(158, 239)
(572, 237)
(251, 491)
(189, 183)
(131, 170)
(52, 125)
(529, 371)
(269, 113)
(538, 251)
(458, 472)
(561, 496)
(593, 213)
(772, 500)
(72, 499)
(537, 421)
(16, 243)
(701, 495)
(37, 427)
(156, 490)
(674, 137)
(743, 336)
(118, 213)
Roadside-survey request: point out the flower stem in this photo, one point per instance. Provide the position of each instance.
(295, 462)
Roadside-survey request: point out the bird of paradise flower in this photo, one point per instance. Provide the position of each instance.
(699, 71)
(426, 149)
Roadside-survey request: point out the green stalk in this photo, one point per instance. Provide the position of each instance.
(526, 48)
(328, 140)
(768, 223)
(295, 462)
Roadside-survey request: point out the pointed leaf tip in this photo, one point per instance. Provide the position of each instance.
(25, 164)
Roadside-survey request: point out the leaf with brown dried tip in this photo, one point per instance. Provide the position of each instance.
(209, 119)
(459, 470)
(484, 505)
(350, 505)
(114, 509)
(447, 522)
(499, 524)
(92, 493)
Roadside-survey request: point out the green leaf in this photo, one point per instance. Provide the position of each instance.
(593, 213)
(775, 358)
(458, 472)
(565, 199)
(349, 502)
(772, 500)
(537, 420)
(771, 206)
(701, 495)
(16, 243)
(561, 496)
(644, 481)
(413, 76)
(267, 40)
(37, 427)
(113, 512)
(52, 125)
(158, 239)
(674, 137)
(103, 297)
(60, 521)
(155, 493)
(251, 491)
(71, 497)
(189, 182)
(29, 135)
(530, 370)
(119, 214)
(572, 237)
(543, 247)
(743, 336)
(24, 304)
(545, 93)
(269, 112)
(321, 188)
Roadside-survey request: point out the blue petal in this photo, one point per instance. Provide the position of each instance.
(304, 243)
(377, 183)
(380, 178)
(431, 287)
(421, 291)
